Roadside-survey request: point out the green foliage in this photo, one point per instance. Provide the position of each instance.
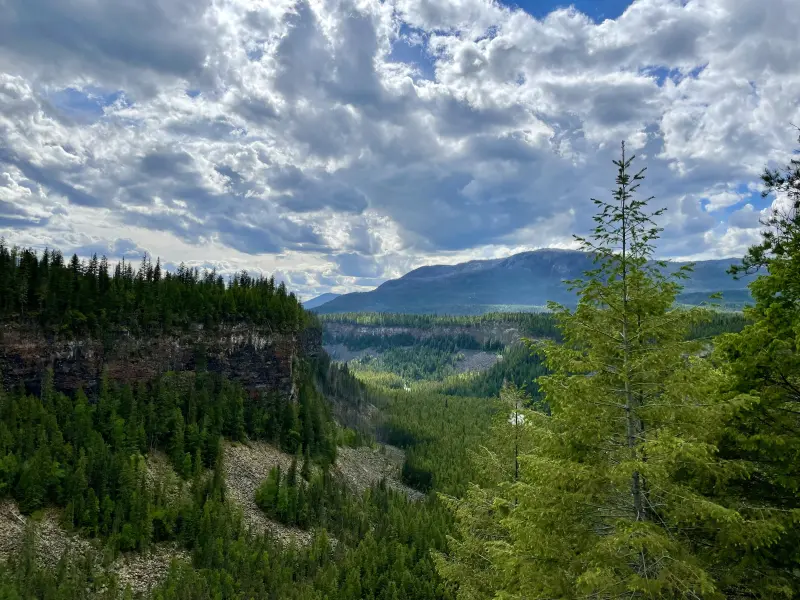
(79, 298)
(615, 490)
(411, 364)
(436, 431)
(764, 366)
(88, 457)
(518, 365)
(716, 323)
(444, 342)
(529, 323)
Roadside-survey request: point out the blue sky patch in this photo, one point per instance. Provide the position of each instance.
(661, 74)
(597, 10)
(87, 103)
(407, 49)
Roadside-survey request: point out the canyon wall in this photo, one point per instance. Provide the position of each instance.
(256, 357)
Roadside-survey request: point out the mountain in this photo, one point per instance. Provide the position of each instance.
(522, 281)
(319, 301)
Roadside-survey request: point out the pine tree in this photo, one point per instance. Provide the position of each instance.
(176, 443)
(611, 483)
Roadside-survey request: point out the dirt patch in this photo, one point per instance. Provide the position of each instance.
(476, 360)
(364, 467)
(12, 529)
(246, 467)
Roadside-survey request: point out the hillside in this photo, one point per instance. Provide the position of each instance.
(148, 416)
(523, 281)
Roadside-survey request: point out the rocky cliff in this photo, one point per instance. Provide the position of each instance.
(256, 357)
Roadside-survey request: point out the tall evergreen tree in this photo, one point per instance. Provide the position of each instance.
(612, 483)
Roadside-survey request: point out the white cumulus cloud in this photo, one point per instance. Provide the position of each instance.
(343, 142)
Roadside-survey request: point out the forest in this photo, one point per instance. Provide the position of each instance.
(628, 447)
(86, 297)
(532, 324)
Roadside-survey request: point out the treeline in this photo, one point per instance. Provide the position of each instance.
(445, 342)
(531, 324)
(717, 323)
(88, 297)
(89, 457)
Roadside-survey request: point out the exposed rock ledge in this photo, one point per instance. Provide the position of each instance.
(253, 356)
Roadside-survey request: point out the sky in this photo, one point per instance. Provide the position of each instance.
(341, 143)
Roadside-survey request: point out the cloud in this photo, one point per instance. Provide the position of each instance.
(346, 142)
(123, 42)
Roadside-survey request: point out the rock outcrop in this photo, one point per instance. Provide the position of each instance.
(256, 357)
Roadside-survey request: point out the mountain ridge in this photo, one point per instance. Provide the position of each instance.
(522, 281)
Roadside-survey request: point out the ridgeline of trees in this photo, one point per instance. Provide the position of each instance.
(87, 297)
(447, 343)
(530, 324)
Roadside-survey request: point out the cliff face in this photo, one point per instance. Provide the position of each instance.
(255, 357)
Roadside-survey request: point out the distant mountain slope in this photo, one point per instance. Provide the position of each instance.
(319, 301)
(519, 282)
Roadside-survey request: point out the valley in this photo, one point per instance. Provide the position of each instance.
(297, 457)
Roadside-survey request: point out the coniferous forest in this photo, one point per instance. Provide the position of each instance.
(87, 297)
(628, 447)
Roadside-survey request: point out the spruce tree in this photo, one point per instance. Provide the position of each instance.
(612, 483)
(764, 435)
